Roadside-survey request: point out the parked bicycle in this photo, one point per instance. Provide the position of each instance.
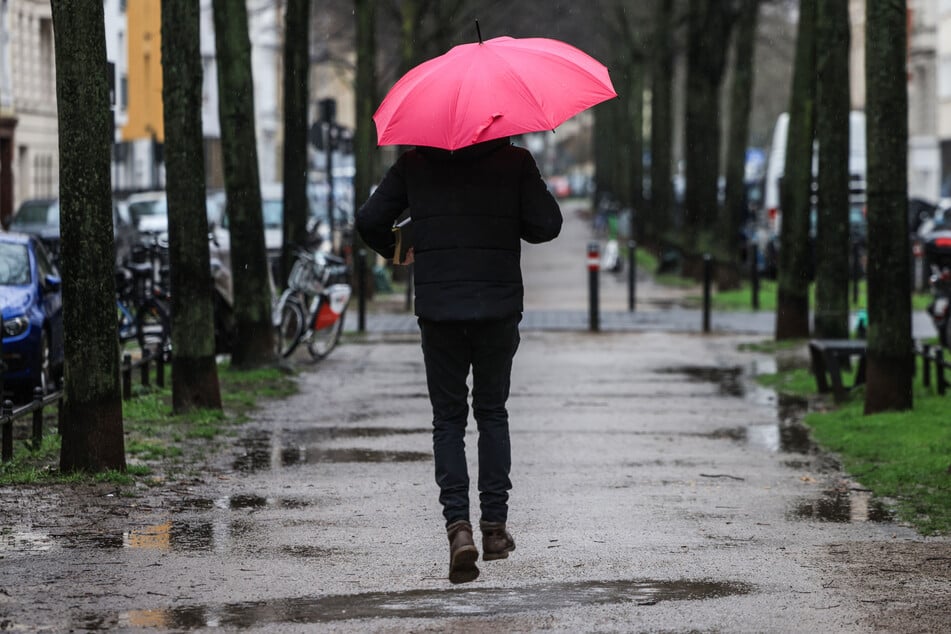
(312, 308)
(142, 306)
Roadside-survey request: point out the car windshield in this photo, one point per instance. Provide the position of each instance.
(14, 264)
(272, 210)
(140, 209)
(36, 213)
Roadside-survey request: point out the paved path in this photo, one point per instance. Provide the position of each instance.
(656, 489)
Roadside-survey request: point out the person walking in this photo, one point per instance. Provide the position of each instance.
(470, 210)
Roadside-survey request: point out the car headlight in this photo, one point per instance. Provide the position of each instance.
(16, 326)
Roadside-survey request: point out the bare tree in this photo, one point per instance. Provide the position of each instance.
(662, 121)
(91, 428)
(254, 336)
(709, 23)
(734, 206)
(296, 96)
(890, 360)
(194, 370)
(832, 133)
(792, 310)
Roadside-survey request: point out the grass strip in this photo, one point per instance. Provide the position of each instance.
(158, 443)
(904, 458)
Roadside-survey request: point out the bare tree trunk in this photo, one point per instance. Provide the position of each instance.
(366, 157)
(734, 206)
(832, 133)
(254, 334)
(792, 309)
(194, 370)
(91, 428)
(661, 141)
(709, 28)
(890, 360)
(296, 95)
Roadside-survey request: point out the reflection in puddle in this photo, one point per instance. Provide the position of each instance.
(727, 379)
(425, 604)
(838, 505)
(263, 450)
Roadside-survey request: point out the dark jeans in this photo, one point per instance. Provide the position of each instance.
(450, 348)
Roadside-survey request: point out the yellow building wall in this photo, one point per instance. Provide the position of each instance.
(144, 33)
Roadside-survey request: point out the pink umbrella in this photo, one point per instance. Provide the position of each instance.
(487, 90)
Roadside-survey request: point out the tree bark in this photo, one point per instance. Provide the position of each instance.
(734, 207)
(194, 370)
(890, 360)
(662, 121)
(296, 96)
(709, 28)
(91, 427)
(792, 309)
(254, 336)
(832, 133)
(366, 156)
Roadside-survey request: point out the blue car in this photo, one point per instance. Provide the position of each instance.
(32, 304)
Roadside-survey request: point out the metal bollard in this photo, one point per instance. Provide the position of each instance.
(707, 279)
(926, 365)
(37, 418)
(6, 411)
(361, 290)
(594, 267)
(159, 367)
(144, 363)
(127, 376)
(754, 274)
(856, 273)
(631, 275)
(939, 371)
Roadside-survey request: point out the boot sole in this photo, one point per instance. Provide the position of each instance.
(493, 556)
(462, 568)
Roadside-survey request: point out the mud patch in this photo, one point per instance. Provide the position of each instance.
(420, 604)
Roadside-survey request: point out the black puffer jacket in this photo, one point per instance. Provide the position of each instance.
(471, 208)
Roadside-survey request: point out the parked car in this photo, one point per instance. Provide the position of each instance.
(272, 207)
(31, 296)
(149, 213)
(40, 217)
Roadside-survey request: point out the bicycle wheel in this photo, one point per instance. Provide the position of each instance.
(291, 325)
(324, 340)
(153, 325)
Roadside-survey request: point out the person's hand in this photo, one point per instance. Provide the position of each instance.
(409, 257)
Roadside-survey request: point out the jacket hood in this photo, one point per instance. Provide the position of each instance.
(468, 153)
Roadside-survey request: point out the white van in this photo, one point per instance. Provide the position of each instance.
(776, 161)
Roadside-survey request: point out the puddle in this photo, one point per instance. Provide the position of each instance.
(844, 506)
(727, 379)
(266, 451)
(420, 604)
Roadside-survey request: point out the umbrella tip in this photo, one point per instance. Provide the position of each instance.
(478, 31)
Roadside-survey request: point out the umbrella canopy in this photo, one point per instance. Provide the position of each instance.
(488, 90)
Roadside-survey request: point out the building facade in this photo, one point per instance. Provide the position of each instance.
(30, 149)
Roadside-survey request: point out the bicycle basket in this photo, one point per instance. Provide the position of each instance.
(304, 277)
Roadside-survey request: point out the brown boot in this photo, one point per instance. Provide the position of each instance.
(497, 542)
(462, 552)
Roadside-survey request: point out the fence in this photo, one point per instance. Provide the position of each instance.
(9, 414)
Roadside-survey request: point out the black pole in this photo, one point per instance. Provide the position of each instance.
(361, 290)
(707, 275)
(37, 418)
(6, 453)
(856, 274)
(754, 274)
(631, 275)
(594, 266)
(479, 32)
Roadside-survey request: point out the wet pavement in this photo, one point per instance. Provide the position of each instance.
(657, 488)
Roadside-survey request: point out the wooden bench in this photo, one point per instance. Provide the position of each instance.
(829, 357)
